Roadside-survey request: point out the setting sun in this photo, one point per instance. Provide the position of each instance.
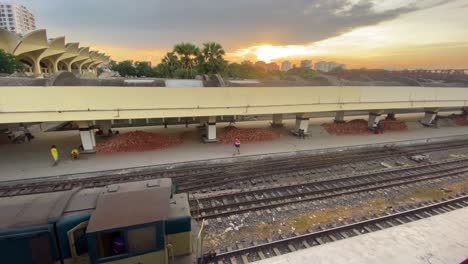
(268, 53)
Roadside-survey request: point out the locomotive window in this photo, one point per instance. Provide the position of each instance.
(81, 244)
(111, 244)
(141, 239)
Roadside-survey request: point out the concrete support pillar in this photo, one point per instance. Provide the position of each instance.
(36, 66)
(87, 137)
(55, 66)
(302, 123)
(277, 120)
(105, 126)
(390, 116)
(69, 67)
(429, 118)
(374, 119)
(339, 117)
(211, 130)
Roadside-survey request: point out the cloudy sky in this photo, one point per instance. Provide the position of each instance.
(360, 33)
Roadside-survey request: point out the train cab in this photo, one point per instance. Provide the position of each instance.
(128, 224)
(136, 222)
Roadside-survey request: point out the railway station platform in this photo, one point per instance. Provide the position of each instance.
(441, 239)
(32, 160)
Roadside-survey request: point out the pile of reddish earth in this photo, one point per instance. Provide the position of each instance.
(393, 125)
(360, 126)
(460, 120)
(137, 141)
(229, 134)
(353, 127)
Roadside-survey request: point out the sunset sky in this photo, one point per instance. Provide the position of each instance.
(360, 33)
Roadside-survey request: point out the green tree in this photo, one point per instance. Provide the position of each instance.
(125, 68)
(144, 69)
(113, 65)
(302, 72)
(245, 71)
(9, 63)
(188, 55)
(168, 65)
(211, 59)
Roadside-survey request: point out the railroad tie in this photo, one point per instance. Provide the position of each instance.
(332, 237)
(343, 234)
(355, 231)
(291, 248)
(319, 240)
(399, 221)
(244, 259)
(451, 206)
(260, 252)
(276, 251)
(418, 216)
(233, 258)
(444, 209)
(427, 213)
(379, 226)
(305, 244)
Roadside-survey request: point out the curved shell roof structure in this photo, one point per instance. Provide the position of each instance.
(50, 55)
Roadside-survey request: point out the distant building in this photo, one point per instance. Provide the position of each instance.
(272, 67)
(16, 18)
(286, 66)
(324, 66)
(306, 64)
(389, 68)
(246, 62)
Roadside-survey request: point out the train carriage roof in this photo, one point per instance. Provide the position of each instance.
(130, 204)
(36, 209)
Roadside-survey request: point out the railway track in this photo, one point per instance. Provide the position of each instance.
(340, 231)
(202, 178)
(275, 196)
(302, 166)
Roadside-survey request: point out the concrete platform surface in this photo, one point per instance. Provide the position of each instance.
(442, 239)
(33, 160)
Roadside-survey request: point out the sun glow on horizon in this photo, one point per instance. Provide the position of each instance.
(267, 53)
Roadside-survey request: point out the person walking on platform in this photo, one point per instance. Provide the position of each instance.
(54, 153)
(237, 144)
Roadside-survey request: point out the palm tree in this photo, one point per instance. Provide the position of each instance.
(169, 65)
(211, 59)
(188, 53)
